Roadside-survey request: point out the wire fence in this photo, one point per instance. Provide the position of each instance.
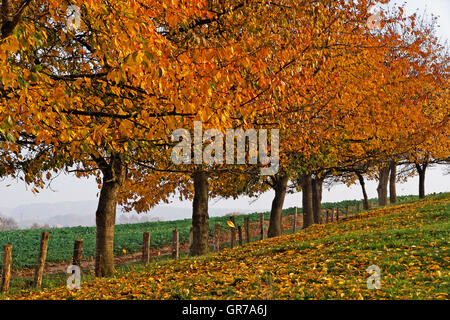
(60, 249)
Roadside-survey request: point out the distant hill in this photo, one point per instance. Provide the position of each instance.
(82, 213)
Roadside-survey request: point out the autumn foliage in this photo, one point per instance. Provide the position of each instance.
(102, 97)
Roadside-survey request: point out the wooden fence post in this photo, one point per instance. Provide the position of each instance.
(217, 237)
(7, 262)
(233, 234)
(175, 244)
(191, 236)
(240, 235)
(146, 248)
(39, 271)
(328, 214)
(247, 229)
(261, 226)
(78, 252)
(337, 214)
(294, 222)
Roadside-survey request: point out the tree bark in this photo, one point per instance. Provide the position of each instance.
(114, 174)
(363, 187)
(421, 169)
(9, 21)
(200, 218)
(276, 216)
(392, 182)
(307, 202)
(382, 188)
(316, 185)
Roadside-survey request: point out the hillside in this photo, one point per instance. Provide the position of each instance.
(409, 242)
(127, 238)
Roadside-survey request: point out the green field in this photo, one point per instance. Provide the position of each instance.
(409, 242)
(128, 237)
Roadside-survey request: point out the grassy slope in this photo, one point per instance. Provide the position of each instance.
(128, 237)
(409, 242)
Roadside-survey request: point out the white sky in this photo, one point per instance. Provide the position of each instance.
(68, 188)
(440, 8)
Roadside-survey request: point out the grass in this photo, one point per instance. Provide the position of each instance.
(408, 242)
(127, 238)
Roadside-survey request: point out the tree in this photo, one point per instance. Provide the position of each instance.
(103, 99)
(383, 180)
(392, 182)
(107, 105)
(279, 184)
(8, 224)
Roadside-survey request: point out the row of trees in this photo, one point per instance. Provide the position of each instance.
(101, 98)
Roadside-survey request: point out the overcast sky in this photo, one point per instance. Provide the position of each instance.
(68, 188)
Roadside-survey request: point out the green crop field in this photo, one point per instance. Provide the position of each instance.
(128, 237)
(408, 242)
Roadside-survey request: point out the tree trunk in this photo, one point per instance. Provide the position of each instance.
(421, 170)
(307, 202)
(392, 181)
(113, 177)
(200, 218)
(363, 187)
(316, 185)
(382, 189)
(276, 216)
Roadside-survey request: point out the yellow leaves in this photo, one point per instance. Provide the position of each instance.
(185, 73)
(270, 269)
(320, 101)
(63, 35)
(10, 44)
(114, 75)
(125, 128)
(78, 83)
(231, 224)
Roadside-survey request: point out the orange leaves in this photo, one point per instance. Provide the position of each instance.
(141, 70)
(125, 129)
(10, 44)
